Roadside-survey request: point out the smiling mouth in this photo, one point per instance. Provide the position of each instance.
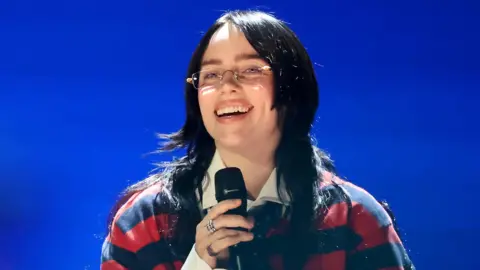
(232, 111)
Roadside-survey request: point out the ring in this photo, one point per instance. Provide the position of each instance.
(210, 227)
(210, 252)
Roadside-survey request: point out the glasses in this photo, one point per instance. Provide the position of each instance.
(212, 77)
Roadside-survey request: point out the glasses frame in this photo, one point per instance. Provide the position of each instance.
(190, 79)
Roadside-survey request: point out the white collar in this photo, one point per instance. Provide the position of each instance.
(268, 193)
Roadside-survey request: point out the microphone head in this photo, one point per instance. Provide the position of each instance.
(229, 184)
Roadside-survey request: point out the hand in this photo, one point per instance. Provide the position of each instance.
(217, 242)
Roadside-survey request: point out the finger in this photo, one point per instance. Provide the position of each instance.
(228, 241)
(232, 221)
(220, 234)
(222, 207)
(224, 221)
(216, 211)
(224, 233)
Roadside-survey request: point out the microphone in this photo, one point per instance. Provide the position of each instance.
(229, 184)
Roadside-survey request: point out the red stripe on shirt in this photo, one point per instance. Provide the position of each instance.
(112, 265)
(331, 261)
(155, 189)
(335, 217)
(379, 237)
(176, 265)
(141, 235)
(364, 223)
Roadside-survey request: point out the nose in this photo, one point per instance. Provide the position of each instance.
(228, 82)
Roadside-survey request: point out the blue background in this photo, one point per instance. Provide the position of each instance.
(84, 86)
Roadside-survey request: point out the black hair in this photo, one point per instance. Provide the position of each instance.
(298, 161)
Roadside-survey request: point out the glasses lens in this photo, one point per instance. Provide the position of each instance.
(208, 78)
(211, 77)
(195, 80)
(251, 74)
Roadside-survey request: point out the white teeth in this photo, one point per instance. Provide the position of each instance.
(232, 109)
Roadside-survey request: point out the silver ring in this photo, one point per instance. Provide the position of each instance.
(210, 252)
(210, 227)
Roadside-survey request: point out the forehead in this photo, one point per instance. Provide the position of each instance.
(227, 43)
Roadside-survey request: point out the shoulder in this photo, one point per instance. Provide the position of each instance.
(355, 218)
(139, 230)
(345, 200)
(142, 206)
(141, 217)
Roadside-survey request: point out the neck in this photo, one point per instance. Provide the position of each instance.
(256, 166)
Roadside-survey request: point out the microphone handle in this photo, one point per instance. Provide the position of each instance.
(236, 261)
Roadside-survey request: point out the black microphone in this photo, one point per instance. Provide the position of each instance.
(229, 184)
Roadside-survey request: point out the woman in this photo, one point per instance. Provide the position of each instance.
(251, 98)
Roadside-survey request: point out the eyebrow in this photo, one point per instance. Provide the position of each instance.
(239, 57)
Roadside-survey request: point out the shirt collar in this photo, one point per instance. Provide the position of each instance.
(268, 193)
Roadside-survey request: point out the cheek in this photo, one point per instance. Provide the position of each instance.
(206, 103)
(262, 95)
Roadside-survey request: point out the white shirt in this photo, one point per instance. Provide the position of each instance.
(268, 193)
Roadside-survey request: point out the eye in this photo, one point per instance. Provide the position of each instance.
(252, 70)
(210, 75)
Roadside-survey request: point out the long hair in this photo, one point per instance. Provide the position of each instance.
(298, 161)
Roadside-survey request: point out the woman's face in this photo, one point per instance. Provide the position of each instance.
(236, 112)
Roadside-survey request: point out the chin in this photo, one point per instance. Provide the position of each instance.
(232, 141)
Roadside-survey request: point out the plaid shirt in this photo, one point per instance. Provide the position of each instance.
(354, 233)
